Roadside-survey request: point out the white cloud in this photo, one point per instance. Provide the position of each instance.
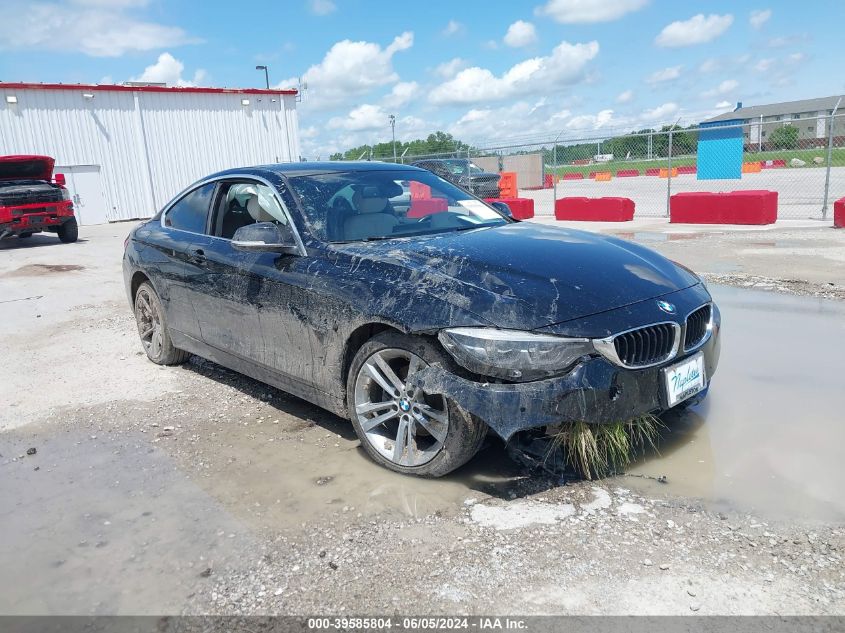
(660, 114)
(709, 65)
(625, 97)
(312, 131)
(588, 11)
(364, 117)
(520, 33)
(724, 105)
(351, 69)
(449, 69)
(95, 28)
(726, 87)
(114, 4)
(484, 125)
(764, 64)
(564, 66)
(697, 30)
(667, 74)
(402, 93)
(167, 69)
(758, 18)
(321, 7)
(452, 28)
(591, 121)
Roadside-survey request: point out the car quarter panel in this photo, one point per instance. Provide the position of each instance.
(162, 255)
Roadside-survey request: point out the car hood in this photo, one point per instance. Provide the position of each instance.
(526, 275)
(26, 167)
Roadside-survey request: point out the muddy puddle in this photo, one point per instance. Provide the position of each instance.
(770, 438)
(326, 477)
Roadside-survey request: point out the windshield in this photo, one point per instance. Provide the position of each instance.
(458, 167)
(367, 205)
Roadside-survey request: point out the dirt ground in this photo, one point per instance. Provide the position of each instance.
(195, 490)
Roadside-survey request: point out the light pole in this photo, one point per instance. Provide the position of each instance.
(392, 119)
(266, 75)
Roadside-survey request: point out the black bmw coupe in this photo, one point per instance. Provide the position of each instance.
(388, 295)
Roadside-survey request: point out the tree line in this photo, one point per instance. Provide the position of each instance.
(632, 145)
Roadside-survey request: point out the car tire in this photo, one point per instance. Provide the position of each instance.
(152, 328)
(69, 231)
(430, 450)
(22, 236)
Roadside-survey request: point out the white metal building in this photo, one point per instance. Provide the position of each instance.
(126, 150)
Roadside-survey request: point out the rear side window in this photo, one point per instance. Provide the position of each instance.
(191, 210)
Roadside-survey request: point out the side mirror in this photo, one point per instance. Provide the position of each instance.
(59, 179)
(265, 237)
(503, 208)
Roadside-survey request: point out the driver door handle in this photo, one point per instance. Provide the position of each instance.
(197, 256)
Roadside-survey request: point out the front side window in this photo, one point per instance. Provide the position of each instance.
(190, 212)
(387, 204)
(243, 203)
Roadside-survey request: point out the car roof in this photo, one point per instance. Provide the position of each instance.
(319, 167)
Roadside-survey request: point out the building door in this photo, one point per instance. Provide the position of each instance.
(86, 190)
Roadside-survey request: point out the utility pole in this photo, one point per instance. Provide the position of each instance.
(669, 172)
(393, 134)
(829, 158)
(266, 75)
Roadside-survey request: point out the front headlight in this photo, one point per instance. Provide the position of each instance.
(512, 354)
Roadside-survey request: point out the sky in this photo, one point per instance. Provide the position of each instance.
(487, 72)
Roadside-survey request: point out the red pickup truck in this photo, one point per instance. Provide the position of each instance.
(31, 200)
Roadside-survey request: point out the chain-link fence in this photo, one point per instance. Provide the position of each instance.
(802, 159)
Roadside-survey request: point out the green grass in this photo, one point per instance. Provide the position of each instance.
(598, 450)
(807, 155)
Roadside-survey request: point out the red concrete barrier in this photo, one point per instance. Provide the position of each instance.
(774, 164)
(420, 191)
(595, 209)
(687, 169)
(734, 207)
(652, 171)
(422, 207)
(521, 208)
(627, 173)
(548, 181)
(575, 175)
(839, 213)
(592, 175)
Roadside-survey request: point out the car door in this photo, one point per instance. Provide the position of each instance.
(230, 295)
(177, 264)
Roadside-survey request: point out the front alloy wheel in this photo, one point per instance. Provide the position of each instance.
(401, 422)
(400, 426)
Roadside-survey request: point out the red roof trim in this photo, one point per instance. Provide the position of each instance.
(108, 88)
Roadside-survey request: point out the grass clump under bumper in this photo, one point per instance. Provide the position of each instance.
(599, 450)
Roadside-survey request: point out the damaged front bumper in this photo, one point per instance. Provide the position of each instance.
(596, 391)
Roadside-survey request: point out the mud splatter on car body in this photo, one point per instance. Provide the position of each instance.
(295, 320)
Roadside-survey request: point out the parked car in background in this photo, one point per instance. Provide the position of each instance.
(424, 332)
(31, 200)
(464, 173)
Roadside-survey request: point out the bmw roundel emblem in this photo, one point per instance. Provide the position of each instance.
(667, 307)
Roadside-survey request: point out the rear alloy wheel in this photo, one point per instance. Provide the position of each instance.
(152, 328)
(399, 425)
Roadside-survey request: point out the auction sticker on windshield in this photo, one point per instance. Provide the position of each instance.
(684, 379)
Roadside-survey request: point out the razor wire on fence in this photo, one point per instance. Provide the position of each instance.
(802, 159)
